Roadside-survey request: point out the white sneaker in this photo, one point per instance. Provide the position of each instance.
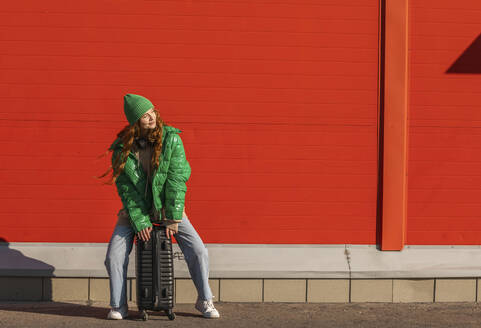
(207, 308)
(118, 313)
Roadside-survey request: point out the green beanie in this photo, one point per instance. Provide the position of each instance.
(135, 106)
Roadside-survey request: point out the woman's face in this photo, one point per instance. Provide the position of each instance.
(148, 120)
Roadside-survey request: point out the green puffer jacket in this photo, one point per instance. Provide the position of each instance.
(168, 182)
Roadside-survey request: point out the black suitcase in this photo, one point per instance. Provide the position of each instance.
(155, 273)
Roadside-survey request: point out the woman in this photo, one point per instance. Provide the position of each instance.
(150, 170)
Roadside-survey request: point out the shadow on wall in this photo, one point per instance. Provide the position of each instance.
(470, 60)
(23, 278)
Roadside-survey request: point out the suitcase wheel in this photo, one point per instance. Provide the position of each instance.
(171, 315)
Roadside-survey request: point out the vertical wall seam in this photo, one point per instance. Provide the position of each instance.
(130, 290)
(306, 288)
(262, 287)
(43, 288)
(476, 291)
(392, 290)
(349, 290)
(380, 123)
(134, 285)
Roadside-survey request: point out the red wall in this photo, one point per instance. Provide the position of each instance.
(444, 197)
(277, 101)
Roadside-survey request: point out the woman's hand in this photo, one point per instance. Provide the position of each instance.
(171, 229)
(169, 232)
(144, 234)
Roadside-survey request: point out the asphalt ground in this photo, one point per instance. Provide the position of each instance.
(278, 315)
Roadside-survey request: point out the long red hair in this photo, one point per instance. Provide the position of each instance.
(127, 136)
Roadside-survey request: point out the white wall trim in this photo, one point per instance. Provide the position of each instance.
(255, 261)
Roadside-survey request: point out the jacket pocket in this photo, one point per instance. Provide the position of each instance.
(123, 218)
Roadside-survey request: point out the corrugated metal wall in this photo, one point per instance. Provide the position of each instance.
(278, 102)
(444, 198)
